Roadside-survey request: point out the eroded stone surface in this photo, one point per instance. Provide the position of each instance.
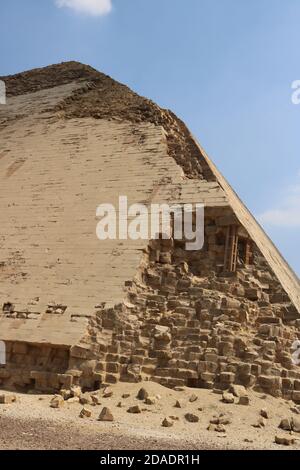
(80, 313)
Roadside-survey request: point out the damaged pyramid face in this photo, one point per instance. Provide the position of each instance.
(77, 311)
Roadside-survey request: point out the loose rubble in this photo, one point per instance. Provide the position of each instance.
(85, 413)
(167, 423)
(57, 402)
(284, 440)
(106, 415)
(136, 409)
(228, 398)
(191, 418)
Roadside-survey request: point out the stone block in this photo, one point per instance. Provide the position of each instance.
(80, 352)
(112, 368)
(253, 294)
(269, 382)
(287, 384)
(227, 377)
(297, 385)
(111, 379)
(296, 396)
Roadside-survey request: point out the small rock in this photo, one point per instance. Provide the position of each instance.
(296, 424)
(214, 420)
(191, 418)
(85, 413)
(284, 440)
(136, 409)
(224, 420)
(57, 401)
(193, 398)
(151, 401)
(158, 397)
(142, 394)
(125, 395)
(244, 400)
(85, 399)
(75, 391)
(250, 441)
(174, 418)
(238, 391)
(228, 398)
(106, 415)
(220, 428)
(264, 413)
(211, 427)
(178, 404)
(179, 389)
(120, 405)
(66, 394)
(108, 393)
(296, 410)
(73, 400)
(260, 423)
(96, 400)
(286, 424)
(218, 391)
(167, 423)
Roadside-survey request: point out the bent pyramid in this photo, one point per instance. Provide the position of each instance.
(79, 311)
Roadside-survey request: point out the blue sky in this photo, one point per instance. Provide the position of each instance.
(225, 66)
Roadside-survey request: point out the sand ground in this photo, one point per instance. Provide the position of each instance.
(32, 424)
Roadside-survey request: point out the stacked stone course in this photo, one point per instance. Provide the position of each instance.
(187, 322)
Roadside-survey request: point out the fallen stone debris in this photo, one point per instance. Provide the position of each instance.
(191, 418)
(284, 440)
(106, 415)
(167, 423)
(136, 409)
(85, 413)
(57, 402)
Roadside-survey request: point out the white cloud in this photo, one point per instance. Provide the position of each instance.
(287, 214)
(89, 7)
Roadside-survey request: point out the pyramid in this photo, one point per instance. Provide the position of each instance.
(79, 311)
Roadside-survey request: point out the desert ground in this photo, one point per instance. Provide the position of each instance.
(31, 423)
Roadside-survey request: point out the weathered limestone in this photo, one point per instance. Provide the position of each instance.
(78, 314)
